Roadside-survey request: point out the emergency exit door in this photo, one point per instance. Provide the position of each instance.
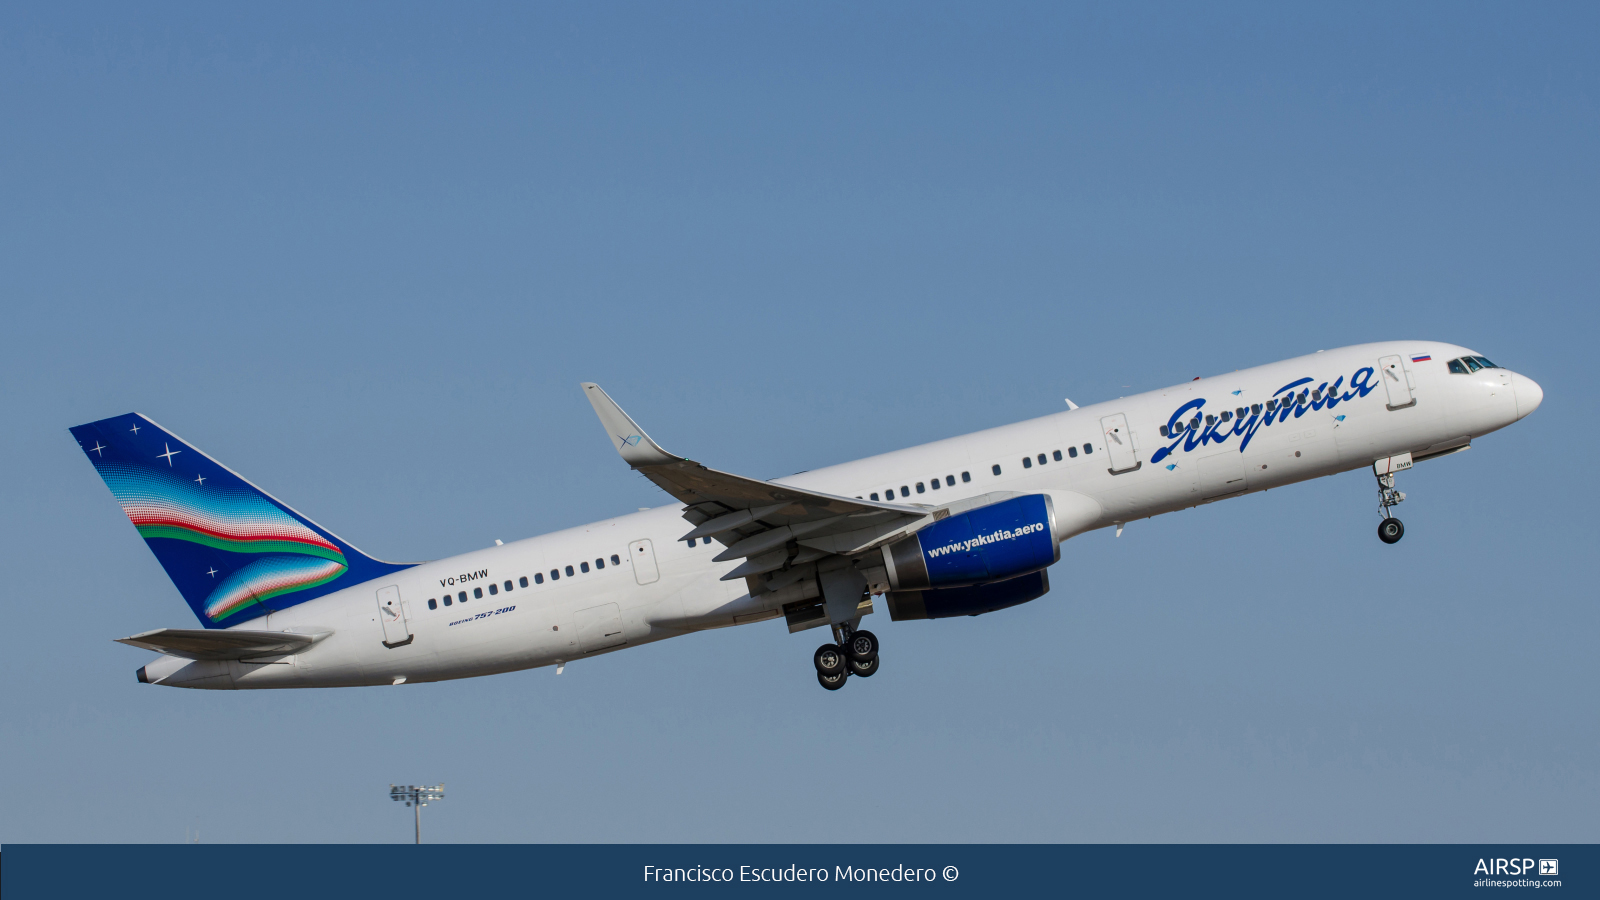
(1119, 444)
(643, 555)
(1397, 381)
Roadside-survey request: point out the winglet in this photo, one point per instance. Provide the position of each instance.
(631, 442)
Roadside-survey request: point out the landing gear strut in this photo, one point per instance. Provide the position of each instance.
(853, 653)
(1389, 530)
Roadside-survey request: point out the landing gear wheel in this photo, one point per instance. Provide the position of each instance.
(864, 669)
(832, 682)
(829, 660)
(862, 646)
(1390, 530)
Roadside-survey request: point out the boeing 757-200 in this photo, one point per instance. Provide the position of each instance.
(959, 527)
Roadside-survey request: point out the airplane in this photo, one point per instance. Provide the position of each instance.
(959, 527)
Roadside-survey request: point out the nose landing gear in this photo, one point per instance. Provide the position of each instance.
(855, 653)
(1390, 530)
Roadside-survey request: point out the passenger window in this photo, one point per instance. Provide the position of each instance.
(934, 484)
(1457, 367)
(1163, 431)
(921, 489)
(966, 476)
(1241, 412)
(447, 599)
(1316, 395)
(618, 562)
(432, 603)
(1255, 408)
(538, 578)
(1211, 420)
(1272, 405)
(508, 584)
(1041, 459)
(1227, 415)
(555, 574)
(905, 491)
(874, 496)
(493, 589)
(1088, 449)
(949, 481)
(523, 581)
(462, 596)
(600, 564)
(1072, 452)
(477, 593)
(1027, 463)
(583, 567)
(691, 542)
(569, 571)
(997, 468)
(1057, 455)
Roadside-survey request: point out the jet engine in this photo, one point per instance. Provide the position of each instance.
(993, 543)
(973, 600)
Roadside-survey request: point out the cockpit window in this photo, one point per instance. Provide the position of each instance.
(1457, 367)
(1485, 362)
(1472, 364)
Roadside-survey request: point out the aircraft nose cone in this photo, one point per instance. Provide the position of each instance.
(1529, 394)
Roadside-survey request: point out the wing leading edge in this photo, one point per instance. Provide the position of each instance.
(769, 525)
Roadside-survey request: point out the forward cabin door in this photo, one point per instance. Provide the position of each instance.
(1397, 381)
(644, 562)
(393, 617)
(1119, 444)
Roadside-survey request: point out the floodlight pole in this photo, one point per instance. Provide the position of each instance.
(416, 797)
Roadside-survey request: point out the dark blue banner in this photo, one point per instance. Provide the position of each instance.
(245, 872)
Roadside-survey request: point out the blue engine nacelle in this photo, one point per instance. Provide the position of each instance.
(973, 600)
(989, 544)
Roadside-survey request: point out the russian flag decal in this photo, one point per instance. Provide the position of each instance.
(1423, 358)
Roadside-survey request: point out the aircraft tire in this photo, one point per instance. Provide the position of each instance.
(1390, 530)
(866, 668)
(832, 682)
(863, 645)
(829, 660)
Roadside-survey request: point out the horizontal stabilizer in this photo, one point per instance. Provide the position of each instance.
(194, 643)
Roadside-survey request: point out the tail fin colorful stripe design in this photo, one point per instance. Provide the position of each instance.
(271, 576)
(233, 551)
(162, 505)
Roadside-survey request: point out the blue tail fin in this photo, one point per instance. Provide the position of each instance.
(233, 551)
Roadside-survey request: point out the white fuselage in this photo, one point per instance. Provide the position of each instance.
(660, 587)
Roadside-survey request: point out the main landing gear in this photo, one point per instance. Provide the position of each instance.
(1389, 530)
(854, 653)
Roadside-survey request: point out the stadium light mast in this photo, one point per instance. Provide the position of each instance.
(416, 797)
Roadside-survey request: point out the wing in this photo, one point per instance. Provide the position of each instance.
(196, 643)
(769, 525)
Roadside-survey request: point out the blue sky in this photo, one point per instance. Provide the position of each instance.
(364, 255)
